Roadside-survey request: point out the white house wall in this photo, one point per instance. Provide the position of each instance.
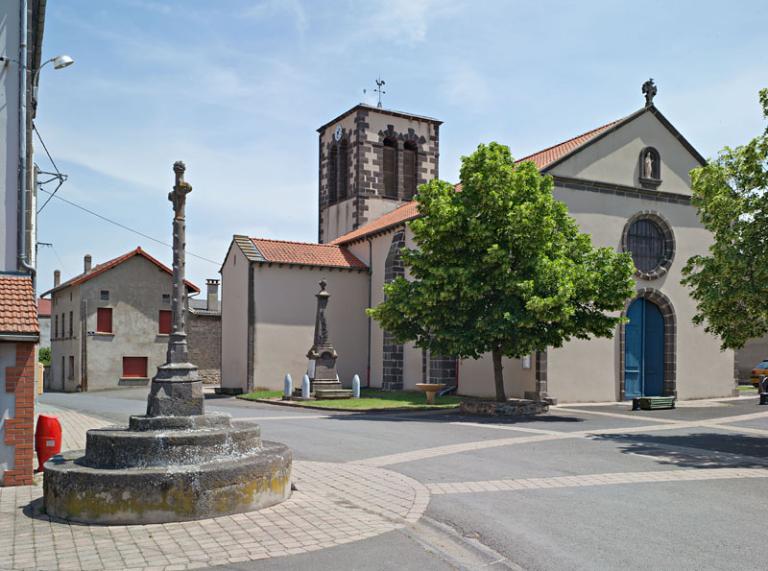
(234, 320)
(285, 321)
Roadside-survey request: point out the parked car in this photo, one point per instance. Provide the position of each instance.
(760, 370)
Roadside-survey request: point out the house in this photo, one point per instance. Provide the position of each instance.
(111, 323)
(204, 333)
(21, 39)
(44, 318)
(626, 183)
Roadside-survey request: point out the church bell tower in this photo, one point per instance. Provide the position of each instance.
(372, 160)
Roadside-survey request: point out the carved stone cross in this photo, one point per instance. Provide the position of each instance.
(649, 90)
(180, 191)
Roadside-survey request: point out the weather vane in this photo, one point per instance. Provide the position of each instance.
(379, 84)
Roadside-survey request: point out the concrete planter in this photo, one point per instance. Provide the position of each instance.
(510, 408)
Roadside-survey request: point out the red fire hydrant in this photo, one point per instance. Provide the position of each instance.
(47, 438)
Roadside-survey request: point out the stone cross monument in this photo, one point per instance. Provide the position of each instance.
(176, 389)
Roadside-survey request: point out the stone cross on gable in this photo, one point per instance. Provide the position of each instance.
(180, 190)
(649, 90)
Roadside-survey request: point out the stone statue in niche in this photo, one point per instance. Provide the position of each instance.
(648, 165)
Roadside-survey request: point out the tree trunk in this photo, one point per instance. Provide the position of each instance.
(498, 377)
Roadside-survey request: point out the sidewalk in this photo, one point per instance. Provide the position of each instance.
(334, 504)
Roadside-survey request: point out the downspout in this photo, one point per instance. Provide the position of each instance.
(370, 300)
(84, 345)
(21, 247)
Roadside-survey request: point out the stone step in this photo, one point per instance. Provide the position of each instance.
(326, 394)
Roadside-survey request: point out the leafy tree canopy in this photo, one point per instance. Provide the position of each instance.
(501, 267)
(730, 284)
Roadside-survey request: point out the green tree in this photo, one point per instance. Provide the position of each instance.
(730, 284)
(501, 267)
(44, 355)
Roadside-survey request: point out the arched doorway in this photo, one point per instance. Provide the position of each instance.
(644, 350)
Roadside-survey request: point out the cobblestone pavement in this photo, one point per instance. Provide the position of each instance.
(334, 503)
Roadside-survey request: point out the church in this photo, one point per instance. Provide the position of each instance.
(626, 183)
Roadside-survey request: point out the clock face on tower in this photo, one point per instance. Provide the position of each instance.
(338, 133)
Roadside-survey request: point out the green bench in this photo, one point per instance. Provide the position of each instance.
(653, 403)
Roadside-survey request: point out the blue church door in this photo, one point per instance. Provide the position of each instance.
(643, 350)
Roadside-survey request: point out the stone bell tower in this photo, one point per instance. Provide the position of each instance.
(372, 160)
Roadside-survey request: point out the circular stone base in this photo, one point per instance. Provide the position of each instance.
(83, 494)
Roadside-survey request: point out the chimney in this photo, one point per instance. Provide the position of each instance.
(212, 296)
(87, 262)
(56, 278)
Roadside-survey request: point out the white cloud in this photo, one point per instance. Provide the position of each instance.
(272, 8)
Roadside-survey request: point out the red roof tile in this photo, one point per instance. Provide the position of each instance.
(546, 157)
(409, 211)
(18, 309)
(305, 254)
(101, 268)
(43, 307)
(404, 213)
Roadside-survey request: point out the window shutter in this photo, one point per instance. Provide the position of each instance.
(165, 322)
(135, 367)
(104, 320)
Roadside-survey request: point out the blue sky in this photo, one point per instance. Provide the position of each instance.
(236, 89)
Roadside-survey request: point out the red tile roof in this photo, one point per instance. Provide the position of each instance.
(18, 309)
(43, 307)
(101, 268)
(305, 254)
(546, 157)
(404, 213)
(409, 211)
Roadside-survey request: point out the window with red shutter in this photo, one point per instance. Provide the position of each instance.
(104, 320)
(165, 322)
(135, 367)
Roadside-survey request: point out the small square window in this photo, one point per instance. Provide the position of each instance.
(135, 367)
(104, 295)
(166, 298)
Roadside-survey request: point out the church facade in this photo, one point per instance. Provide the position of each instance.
(626, 183)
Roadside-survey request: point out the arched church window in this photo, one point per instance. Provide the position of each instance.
(333, 174)
(648, 237)
(410, 170)
(390, 168)
(343, 172)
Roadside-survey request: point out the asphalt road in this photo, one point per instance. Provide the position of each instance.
(650, 523)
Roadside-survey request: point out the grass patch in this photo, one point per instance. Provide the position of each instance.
(746, 388)
(261, 394)
(370, 399)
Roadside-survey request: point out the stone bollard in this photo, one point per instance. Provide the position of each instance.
(355, 387)
(287, 387)
(305, 387)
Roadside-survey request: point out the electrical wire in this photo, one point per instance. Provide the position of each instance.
(59, 175)
(124, 227)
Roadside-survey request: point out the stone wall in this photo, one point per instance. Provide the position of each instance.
(204, 342)
(393, 352)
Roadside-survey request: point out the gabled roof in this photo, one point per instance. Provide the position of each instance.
(404, 213)
(544, 160)
(546, 157)
(262, 250)
(101, 268)
(18, 307)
